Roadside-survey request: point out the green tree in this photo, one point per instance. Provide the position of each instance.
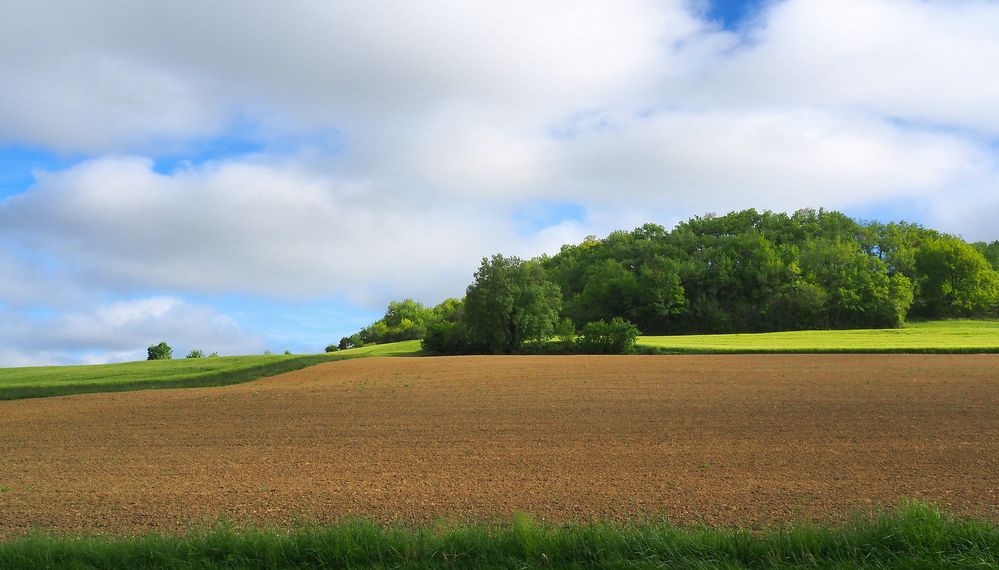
(511, 302)
(954, 279)
(161, 351)
(858, 289)
(403, 320)
(661, 294)
(610, 290)
(376, 332)
(449, 310)
(990, 251)
(195, 354)
(799, 305)
(407, 309)
(446, 331)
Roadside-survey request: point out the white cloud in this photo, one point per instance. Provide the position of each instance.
(256, 228)
(120, 331)
(779, 160)
(446, 120)
(928, 62)
(109, 76)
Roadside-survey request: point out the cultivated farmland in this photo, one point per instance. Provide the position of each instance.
(732, 440)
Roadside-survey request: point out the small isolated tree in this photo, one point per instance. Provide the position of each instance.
(213, 355)
(332, 348)
(616, 337)
(161, 351)
(195, 354)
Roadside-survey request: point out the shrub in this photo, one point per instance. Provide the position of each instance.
(447, 338)
(195, 354)
(161, 351)
(356, 341)
(565, 331)
(600, 337)
(332, 348)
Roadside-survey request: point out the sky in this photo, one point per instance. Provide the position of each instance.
(233, 177)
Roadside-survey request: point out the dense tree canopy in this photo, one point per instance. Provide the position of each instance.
(510, 302)
(955, 280)
(990, 251)
(403, 320)
(742, 272)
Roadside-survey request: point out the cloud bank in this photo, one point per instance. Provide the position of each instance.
(393, 144)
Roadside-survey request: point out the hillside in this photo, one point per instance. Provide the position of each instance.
(743, 272)
(34, 382)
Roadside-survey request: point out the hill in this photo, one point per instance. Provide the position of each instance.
(34, 382)
(743, 272)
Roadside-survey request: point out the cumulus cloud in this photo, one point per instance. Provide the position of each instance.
(778, 160)
(109, 75)
(927, 62)
(256, 228)
(417, 137)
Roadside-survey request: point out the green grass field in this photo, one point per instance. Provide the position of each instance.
(933, 336)
(404, 348)
(34, 382)
(928, 337)
(915, 536)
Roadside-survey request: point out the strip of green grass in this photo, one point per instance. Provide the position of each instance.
(36, 382)
(928, 337)
(916, 536)
(403, 348)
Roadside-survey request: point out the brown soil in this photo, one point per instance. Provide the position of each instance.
(733, 440)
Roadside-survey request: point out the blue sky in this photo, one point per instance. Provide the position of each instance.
(731, 13)
(238, 180)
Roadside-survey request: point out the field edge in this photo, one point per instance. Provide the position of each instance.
(914, 534)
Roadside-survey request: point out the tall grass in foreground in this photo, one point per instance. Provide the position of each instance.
(915, 536)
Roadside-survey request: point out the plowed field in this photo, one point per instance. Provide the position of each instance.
(733, 440)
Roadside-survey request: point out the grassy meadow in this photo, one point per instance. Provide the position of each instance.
(40, 381)
(958, 336)
(914, 536)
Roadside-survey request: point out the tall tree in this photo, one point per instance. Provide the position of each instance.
(510, 302)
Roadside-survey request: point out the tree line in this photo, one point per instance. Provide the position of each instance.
(746, 271)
